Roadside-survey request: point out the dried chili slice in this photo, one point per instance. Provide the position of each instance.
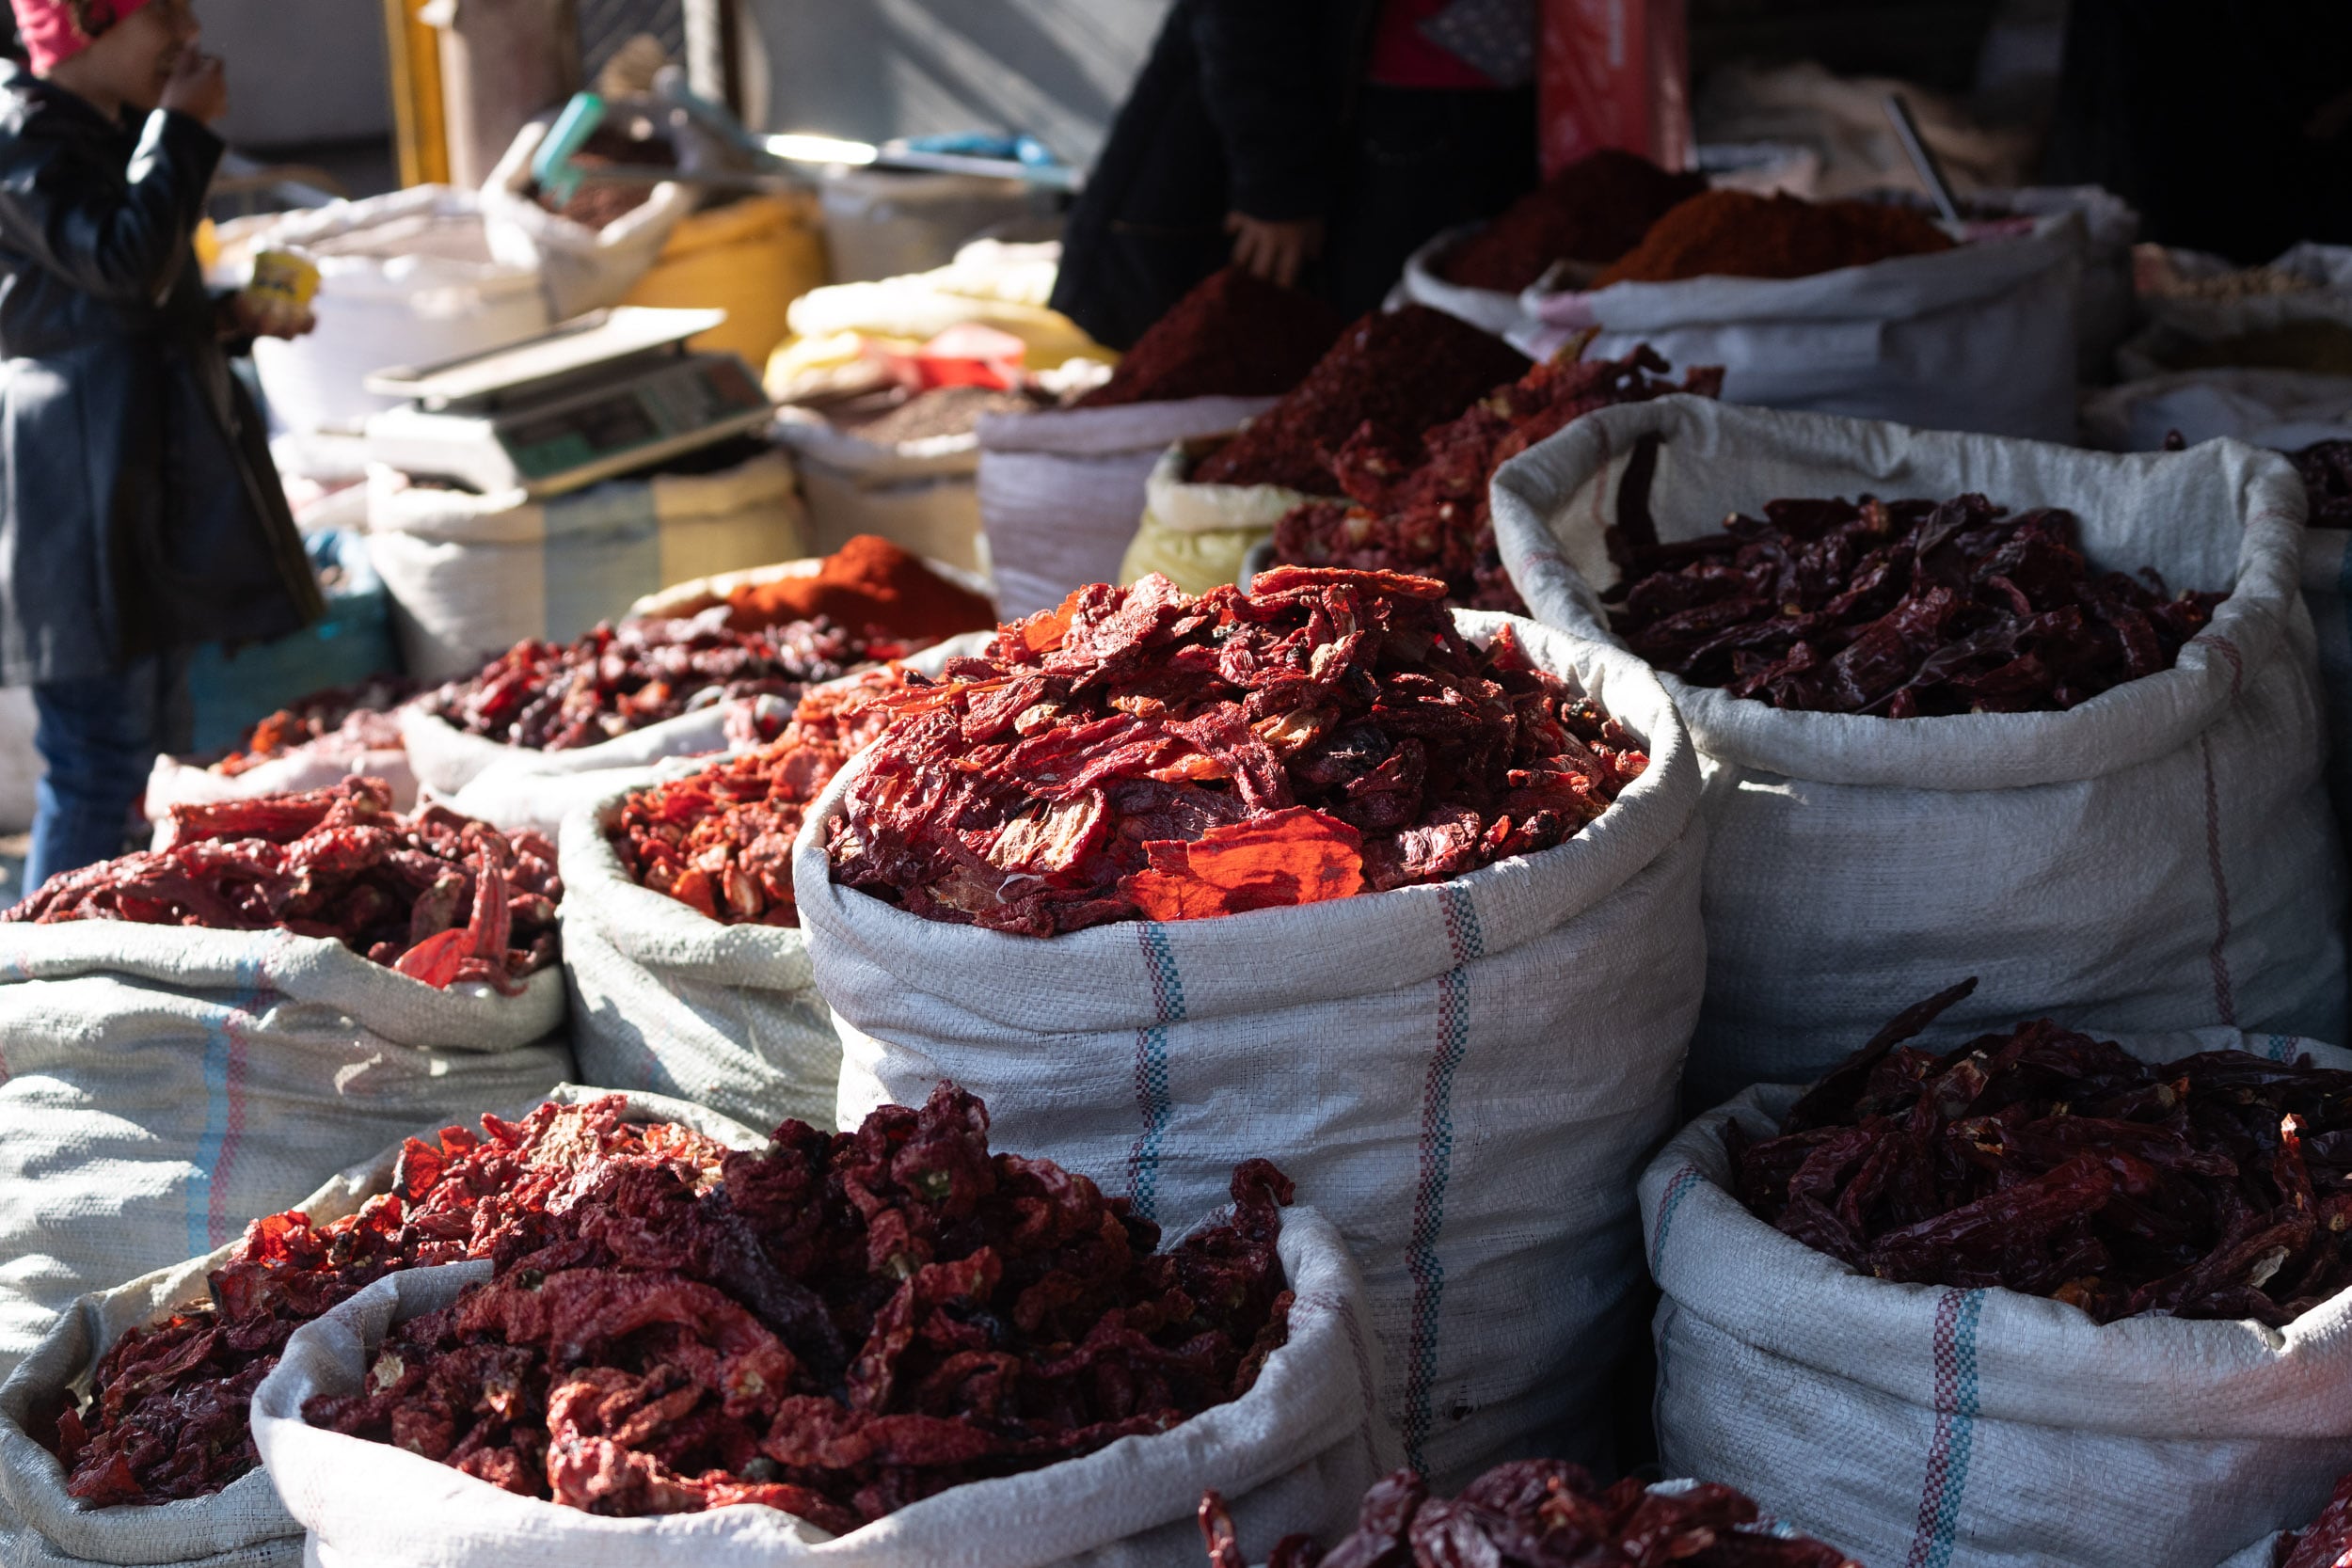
(838, 1327)
(2051, 1163)
(1138, 752)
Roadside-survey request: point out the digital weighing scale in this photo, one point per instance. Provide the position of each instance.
(603, 395)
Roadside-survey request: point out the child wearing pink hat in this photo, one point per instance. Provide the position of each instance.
(140, 515)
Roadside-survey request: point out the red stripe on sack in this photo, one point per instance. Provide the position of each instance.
(2228, 650)
(2224, 998)
(218, 1222)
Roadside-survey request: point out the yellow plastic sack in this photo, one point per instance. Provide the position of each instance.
(1194, 561)
(751, 258)
(1197, 535)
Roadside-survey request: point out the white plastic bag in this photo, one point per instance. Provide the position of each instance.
(161, 1086)
(1464, 1076)
(242, 1525)
(1976, 1428)
(1294, 1453)
(1061, 491)
(1980, 336)
(2159, 857)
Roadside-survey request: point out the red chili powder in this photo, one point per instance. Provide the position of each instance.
(867, 584)
(1400, 370)
(1736, 234)
(1235, 335)
(1595, 210)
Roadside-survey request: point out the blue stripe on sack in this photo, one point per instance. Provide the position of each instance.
(1949, 1453)
(1677, 1188)
(2282, 1048)
(1152, 1090)
(219, 1046)
(602, 550)
(1437, 1169)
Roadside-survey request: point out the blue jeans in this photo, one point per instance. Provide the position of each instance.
(100, 739)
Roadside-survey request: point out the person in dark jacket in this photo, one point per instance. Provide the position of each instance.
(1317, 142)
(139, 512)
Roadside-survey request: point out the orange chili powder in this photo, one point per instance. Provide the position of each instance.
(868, 584)
(1736, 234)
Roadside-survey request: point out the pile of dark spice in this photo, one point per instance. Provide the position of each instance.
(1400, 370)
(1595, 210)
(1539, 1513)
(166, 1415)
(1139, 753)
(836, 1327)
(1732, 233)
(555, 696)
(941, 411)
(1895, 609)
(2327, 1540)
(597, 203)
(720, 840)
(437, 897)
(2048, 1161)
(1424, 509)
(2326, 468)
(1234, 335)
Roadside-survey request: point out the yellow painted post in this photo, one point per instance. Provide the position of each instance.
(414, 50)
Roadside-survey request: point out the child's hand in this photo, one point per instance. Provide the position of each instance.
(197, 88)
(263, 314)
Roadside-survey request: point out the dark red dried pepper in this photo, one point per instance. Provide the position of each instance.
(1539, 1513)
(2048, 1162)
(1140, 752)
(2327, 1540)
(438, 897)
(836, 1327)
(1896, 609)
(166, 1415)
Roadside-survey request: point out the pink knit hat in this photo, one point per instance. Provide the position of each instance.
(53, 30)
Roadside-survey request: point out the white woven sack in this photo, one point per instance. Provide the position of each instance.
(1294, 1453)
(173, 782)
(1978, 338)
(242, 1525)
(666, 999)
(1492, 311)
(2160, 857)
(2281, 409)
(920, 495)
(472, 574)
(449, 761)
(1464, 1076)
(1062, 490)
(2104, 305)
(161, 1086)
(2327, 595)
(579, 268)
(1977, 1428)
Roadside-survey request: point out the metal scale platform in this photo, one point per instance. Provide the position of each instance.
(601, 395)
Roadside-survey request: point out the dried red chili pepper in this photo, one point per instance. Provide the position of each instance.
(2327, 1540)
(1327, 731)
(1539, 1513)
(1400, 370)
(1422, 508)
(2325, 469)
(720, 840)
(439, 896)
(552, 697)
(1893, 609)
(346, 718)
(165, 1414)
(2048, 1161)
(836, 1327)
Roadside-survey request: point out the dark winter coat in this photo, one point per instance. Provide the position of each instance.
(139, 512)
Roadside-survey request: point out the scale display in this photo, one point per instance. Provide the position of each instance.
(691, 396)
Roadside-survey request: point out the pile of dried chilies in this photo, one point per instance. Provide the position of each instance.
(345, 718)
(165, 1414)
(1423, 507)
(1138, 752)
(2043, 1160)
(1595, 210)
(437, 897)
(2325, 469)
(1539, 1513)
(1398, 370)
(720, 840)
(1894, 609)
(555, 696)
(2327, 1540)
(1232, 334)
(836, 1327)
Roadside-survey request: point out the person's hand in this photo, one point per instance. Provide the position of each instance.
(198, 87)
(260, 313)
(1276, 251)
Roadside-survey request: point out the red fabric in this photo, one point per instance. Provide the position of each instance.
(54, 30)
(1402, 58)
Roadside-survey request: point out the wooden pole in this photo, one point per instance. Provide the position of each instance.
(419, 129)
